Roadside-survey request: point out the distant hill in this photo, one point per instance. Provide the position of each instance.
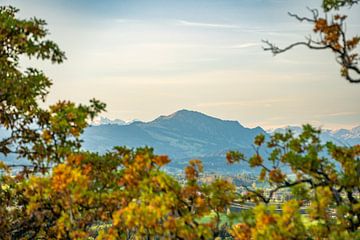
(183, 135)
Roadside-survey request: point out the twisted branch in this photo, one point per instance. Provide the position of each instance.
(342, 47)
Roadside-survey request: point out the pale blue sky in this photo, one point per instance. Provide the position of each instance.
(147, 58)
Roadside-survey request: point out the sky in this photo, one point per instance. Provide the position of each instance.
(147, 58)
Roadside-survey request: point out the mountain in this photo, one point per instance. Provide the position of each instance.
(341, 136)
(105, 120)
(351, 136)
(183, 135)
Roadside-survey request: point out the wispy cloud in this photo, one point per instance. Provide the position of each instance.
(236, 27)
(338, 114)
(244, 45)
(206, 25)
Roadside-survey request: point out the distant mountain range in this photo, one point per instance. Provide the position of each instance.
(104, 120)
(186, 135)
(183, 135)
(347, 137)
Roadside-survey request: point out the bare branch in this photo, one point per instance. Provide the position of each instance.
(315, 13)
(276, 50)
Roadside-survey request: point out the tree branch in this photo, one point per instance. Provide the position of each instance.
(332, 36)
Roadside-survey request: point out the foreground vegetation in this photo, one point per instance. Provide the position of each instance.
(69, 194)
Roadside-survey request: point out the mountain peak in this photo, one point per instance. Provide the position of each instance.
(189, 122)
(189, 115)
(104, 120)
(180, 116)
(182, 134)
(186, 112)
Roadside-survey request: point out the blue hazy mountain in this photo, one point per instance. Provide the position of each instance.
(104, 120)
(346, 137)
(186, 135)
(183, 135)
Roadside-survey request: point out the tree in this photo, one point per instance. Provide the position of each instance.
(323, 178)
(67, 193)
(123, 192)
(40, 135)
(331, 34)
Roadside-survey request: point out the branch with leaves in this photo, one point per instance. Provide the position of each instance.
(331, 34)
(322, 174)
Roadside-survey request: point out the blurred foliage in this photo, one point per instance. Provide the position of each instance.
(337, 4)
(321, 178)
(124, 191)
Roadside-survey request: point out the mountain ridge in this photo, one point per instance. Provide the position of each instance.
(182, 135)
(104, 120)
(339, 136)
(187, 134)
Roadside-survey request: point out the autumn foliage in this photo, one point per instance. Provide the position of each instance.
(124, 190)
(322, 179)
